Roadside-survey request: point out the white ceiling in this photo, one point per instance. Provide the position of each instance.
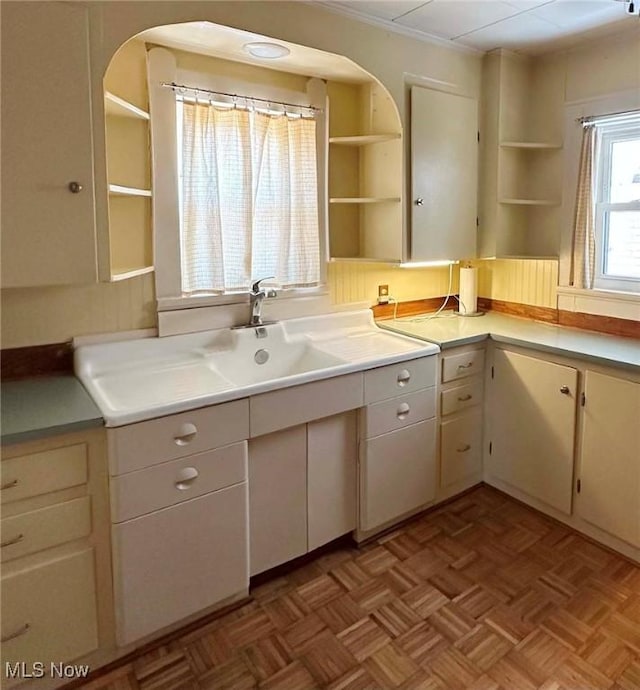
(530, 26)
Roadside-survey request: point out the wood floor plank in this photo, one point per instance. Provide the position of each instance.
(482, 594)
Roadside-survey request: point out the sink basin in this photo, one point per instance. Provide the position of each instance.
(134, 380)
(250, 359)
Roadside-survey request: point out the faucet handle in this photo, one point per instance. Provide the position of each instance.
(255, 286)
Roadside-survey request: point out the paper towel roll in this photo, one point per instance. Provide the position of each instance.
(468, 290)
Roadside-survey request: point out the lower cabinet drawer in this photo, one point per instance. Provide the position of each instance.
(49, 611)
(461, 397)
(43, 472)
(144, 491)
(397, 473)
(175, 562)
(398, 379)
(41, 529)
(461, 447)
(397, 413)
(461, 365)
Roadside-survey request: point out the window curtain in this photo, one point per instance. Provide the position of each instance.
(249, 204)
(583, 256)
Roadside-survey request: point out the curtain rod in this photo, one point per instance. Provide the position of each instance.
(593, 119)
(268, 101)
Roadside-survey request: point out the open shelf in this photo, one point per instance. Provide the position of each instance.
(531, 145)
(114, 105)
(363, 139)
(126, 273)
(120, 190)
(364, 200)
(530, 202)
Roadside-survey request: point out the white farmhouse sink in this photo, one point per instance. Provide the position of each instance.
(135, 380)
(251, 359)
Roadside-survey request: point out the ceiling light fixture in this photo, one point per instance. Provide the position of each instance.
(266, 51)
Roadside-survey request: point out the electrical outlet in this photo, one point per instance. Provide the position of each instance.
(383, 294)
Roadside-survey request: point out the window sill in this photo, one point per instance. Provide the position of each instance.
(622, 305)
(196, 301)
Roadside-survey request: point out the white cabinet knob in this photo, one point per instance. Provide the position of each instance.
(404, 377)
(402, 411)
(186, 433)
(186, 477)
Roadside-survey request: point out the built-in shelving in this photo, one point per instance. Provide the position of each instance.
(363, 139)
(364, 200)
(530, 202)
(125, 274)
(129, 241)
(530, 145)
(118, 107)
(521, 148)
(121, 190)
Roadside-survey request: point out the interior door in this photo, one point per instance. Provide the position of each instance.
(444, 175)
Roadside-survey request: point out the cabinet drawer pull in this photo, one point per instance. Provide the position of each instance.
(404, 377)
(186, 433)
(565, 390)
(10, 542)
(463, 449)
(186, 477)
(403, 411)
(465, 366)
(9, 485)
(12, 636)
(464, 398)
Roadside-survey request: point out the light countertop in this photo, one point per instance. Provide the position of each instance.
(40, 407)
(449, 330)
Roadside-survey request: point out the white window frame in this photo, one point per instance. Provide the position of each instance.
(162, 68)
(610, 135)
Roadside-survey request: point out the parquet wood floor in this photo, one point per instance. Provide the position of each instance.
(482, 594)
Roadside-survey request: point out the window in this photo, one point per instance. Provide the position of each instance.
(248, 198)
(617, 203)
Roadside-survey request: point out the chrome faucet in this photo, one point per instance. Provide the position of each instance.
(256, 298)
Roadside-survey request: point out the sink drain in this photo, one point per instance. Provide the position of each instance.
(261, 356)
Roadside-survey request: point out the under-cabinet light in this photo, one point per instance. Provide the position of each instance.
(425, 264)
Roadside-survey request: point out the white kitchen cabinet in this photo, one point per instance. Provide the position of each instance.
(444, 175)
(461, 448)
(609, 469)
(332, 456)
(461, 410)
(180, 560)
(48, 231)
(532, 417)
(49, 610)
(180, 516)
(397, 473)
(277, 497)
(397, 454)
(56, 597)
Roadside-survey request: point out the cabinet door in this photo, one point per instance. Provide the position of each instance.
(532, 427)
(610, 467)
(277, 497)
(175, 562)
(397, 473)
(48, 232)
(461, 447)
(331, 478)
(49, 611)
(444, 175)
